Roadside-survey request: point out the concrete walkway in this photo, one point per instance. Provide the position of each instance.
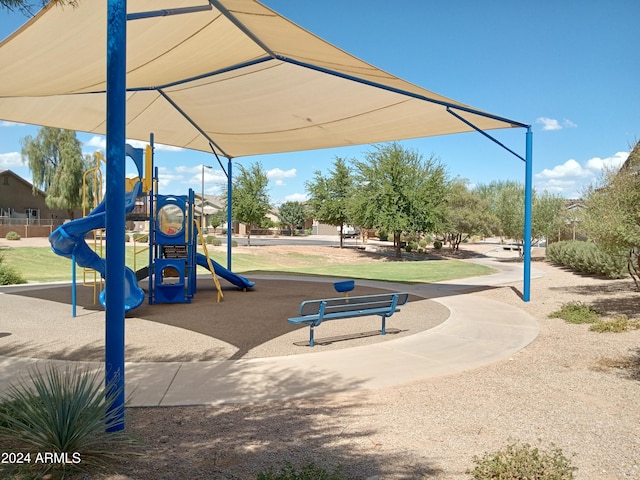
(478, 332)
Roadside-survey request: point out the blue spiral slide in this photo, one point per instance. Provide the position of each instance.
(68, 240)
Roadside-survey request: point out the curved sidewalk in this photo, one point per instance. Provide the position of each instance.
(478, 332)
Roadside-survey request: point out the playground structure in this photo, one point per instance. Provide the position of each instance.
(173, 240)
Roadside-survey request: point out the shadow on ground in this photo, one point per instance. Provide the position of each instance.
(244, 320)
(231, 442)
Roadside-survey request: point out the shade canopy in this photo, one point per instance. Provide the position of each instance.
(232, 75)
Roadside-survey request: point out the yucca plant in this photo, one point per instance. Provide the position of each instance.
(65, 413)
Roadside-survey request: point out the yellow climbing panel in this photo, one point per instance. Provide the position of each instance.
(206, 254)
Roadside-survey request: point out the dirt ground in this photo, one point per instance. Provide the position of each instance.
(571, 388)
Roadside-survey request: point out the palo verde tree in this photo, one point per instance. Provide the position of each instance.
(330, 196)
(612, 215)
(292, 215)
(400, 192)
(467, 214)
(506, 201)
(56, 163)
(549, 216)
(250, 198)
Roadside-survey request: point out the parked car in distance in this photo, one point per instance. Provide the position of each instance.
(349, 231)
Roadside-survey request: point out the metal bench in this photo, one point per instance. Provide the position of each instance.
(314, 312)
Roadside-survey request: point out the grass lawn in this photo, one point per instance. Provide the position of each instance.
(42, 265)
(403, 272)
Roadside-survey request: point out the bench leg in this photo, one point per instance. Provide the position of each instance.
(311, 335)
(384, 324)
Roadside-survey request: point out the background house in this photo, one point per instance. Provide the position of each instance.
(24, 211)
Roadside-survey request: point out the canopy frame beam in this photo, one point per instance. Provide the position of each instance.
(192, 122)
(168, 12)
(528, 196)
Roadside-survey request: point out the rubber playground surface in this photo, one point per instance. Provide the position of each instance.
(37, 322)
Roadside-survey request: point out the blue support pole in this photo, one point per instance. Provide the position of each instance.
(528, 195)
(229, 212)
(73, 285)
(115, 208)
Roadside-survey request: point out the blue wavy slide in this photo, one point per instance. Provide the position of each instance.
(69, 239)
(228, 275)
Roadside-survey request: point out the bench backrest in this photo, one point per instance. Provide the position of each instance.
(353, 304)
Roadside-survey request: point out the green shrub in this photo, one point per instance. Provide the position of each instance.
(576, 312)
(141, 237)
(617, 325)
(12, 235)
(437, 244)
(213, 240)
(522, 462)
(62, 411)
(9, 275)
(383, 236)
(234, 243)
(307, 472)
(587, 257)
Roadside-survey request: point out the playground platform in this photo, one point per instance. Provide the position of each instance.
(244, 350)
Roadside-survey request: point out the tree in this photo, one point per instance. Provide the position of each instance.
(506, 201)
(56, 163)
(549, 215)
(612, 215)
(30, 7)
(250, 200)
(330, 196)
(292, 215)
(217, 219)
(400, 192)
(509, 208)
(467, 214)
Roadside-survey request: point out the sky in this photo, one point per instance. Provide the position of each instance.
(569, 69)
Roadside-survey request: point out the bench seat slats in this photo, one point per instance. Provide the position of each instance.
(314, 312)
(308, 319)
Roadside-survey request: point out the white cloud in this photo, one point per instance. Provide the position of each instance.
(559, 186)
(553, 124)
(569, 169)
(549, 123)
(165, 178)
(4, 123)
(100, 142)
(185, 169)
(156, 146)
(614, 162)
(570, 178)
(97, 141)
(296, 197)
(10, 159)
(279, 174)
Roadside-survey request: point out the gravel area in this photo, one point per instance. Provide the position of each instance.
(572, 388)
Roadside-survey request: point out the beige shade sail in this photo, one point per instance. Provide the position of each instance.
(234, 76)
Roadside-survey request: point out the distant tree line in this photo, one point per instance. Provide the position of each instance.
(396, 191)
